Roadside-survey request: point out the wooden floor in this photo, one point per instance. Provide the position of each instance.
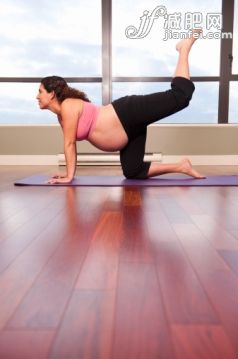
(117, 273)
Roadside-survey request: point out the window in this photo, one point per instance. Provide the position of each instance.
(46, 38)
(69, 38)
(40, 38)
(18, 104)
(233, 108)
(154, 54)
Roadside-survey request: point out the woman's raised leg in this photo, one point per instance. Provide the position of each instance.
(183, 47)
(182, 70)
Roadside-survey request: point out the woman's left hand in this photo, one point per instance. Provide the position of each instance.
(54, 180)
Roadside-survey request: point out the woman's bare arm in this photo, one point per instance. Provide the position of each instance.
(68, 122)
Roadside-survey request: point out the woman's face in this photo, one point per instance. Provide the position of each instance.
(44, 98)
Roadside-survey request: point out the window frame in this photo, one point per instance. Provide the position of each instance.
(225, 72)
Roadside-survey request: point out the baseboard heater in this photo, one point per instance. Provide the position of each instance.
(101, 159)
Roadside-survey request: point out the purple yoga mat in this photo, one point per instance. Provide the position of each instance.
(117, 181)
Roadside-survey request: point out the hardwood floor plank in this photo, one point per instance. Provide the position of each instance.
(199, 249)
(25, 344)
(234, 233)
(13, 245)
(87, 327)
(214, 231)
(131, 197)
(186, 198)
(222, 288)
(44, 304)
(158, 226)
(217, 202)
(135, 246)
(184, 298)
(100, 267)
(220, 284)
(198, 341)
(141, 329)
(174, 211)
(231, 259)
(18, 278)
(22, 210)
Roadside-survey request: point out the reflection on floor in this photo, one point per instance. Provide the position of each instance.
(117, 272)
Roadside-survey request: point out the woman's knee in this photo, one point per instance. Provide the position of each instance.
(183, 90)
(140, 172)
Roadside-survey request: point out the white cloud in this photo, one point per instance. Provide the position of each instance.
(52, 20)
(61, 36)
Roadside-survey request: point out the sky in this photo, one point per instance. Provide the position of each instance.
(153, 54)
(63, 37)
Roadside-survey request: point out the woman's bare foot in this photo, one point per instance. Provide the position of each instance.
(186, 167)
(187, 43)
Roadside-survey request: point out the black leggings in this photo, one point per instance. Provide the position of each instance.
(136, 112)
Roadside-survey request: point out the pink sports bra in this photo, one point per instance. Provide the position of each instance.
(87, 120)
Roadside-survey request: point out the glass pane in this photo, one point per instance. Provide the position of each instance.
(233, 108)
(18, 104)
(151, 55)
(203, 107)
(235, 40)
(40, 38)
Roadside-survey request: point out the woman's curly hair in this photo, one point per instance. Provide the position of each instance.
(61, 89)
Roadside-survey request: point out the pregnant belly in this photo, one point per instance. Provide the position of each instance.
(110, 141)
(108, 133)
